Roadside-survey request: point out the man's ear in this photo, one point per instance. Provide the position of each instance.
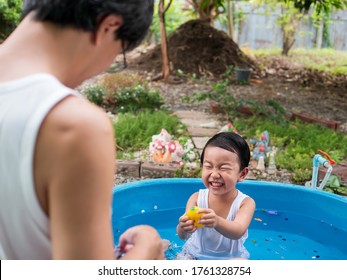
(243, 174)
(107, 28)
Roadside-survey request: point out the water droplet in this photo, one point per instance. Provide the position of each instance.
(155, 207)
(143, 211)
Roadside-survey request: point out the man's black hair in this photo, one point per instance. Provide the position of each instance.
(87, 14)
(231, 142)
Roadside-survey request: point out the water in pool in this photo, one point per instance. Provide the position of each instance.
(273, 235)
(291, 222)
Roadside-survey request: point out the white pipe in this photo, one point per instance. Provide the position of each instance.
(314, 177)
(327, 175)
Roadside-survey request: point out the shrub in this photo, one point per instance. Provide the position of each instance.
(95, 94)
(114, 82)
(137, 98)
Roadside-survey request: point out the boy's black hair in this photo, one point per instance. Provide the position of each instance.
(87, 14)
(231, 142)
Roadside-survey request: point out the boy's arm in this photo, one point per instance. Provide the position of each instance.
(235, 229)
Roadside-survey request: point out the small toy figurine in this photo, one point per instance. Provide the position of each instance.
(229, 128)
(193, 215)
(261, 146)
(164, 149)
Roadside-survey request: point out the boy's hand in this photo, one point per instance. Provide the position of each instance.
(209, 219)
(186, 224)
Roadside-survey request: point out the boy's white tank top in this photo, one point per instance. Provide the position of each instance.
(207, 243)
(24, 104)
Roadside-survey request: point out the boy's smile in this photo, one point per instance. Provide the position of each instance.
(221, 169)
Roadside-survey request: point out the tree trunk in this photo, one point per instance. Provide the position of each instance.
(319, 38)
(164, 50)
(230, 20)
(288, 33)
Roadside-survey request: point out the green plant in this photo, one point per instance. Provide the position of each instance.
(137, 98)
(220, 95)
(10, 11)
(297, 142)
(95, 94)
(184, 172)
(134, 131)
(174, 17)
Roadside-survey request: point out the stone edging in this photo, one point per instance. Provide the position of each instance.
(148, 169)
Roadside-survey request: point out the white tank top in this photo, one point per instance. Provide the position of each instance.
(207, 243)
(24, 104)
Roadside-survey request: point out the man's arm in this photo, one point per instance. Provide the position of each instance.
(74, 164)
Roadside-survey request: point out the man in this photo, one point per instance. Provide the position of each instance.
(57, 149)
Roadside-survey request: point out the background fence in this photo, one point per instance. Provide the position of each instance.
(258, 29)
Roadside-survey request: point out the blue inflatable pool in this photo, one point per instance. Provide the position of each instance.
(291, 222)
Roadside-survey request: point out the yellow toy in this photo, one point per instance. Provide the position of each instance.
(192, 215)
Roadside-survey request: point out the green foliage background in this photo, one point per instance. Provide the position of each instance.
(10, 13)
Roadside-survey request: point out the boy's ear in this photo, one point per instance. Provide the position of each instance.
(243, 174)
(107, 28)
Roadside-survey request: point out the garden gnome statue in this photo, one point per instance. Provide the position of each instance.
(261, 163)
(261, 146)
(272, 165)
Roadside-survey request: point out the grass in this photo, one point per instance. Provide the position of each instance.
(298, 142)
(134, 131)
(326, 60)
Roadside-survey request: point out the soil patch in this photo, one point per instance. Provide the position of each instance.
(196, 48)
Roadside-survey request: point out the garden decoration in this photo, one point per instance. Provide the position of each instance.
(164, 149)
(261, 147)
(229, 127)
(272, 164)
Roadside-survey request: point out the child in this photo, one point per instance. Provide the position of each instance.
(227, 212)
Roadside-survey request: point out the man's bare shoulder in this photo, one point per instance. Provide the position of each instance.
(74, 112)
(75, 128)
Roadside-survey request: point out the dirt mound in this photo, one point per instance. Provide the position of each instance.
(196, 48)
